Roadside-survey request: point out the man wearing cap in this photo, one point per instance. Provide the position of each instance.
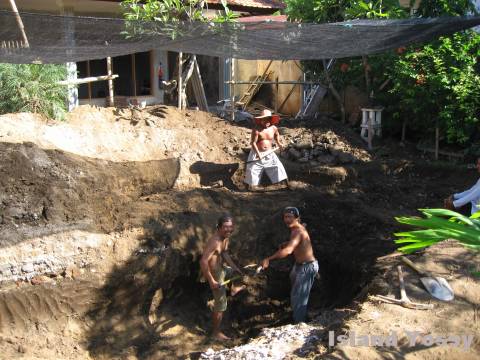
(262, 156)
(305, 269)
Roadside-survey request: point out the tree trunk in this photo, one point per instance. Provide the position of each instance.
(367, 78)
(335, 93)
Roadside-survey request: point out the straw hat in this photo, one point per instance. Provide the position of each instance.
(265, 114)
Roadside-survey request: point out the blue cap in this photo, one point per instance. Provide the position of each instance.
(292, 210)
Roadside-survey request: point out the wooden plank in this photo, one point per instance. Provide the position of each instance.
(289, 94)
(198, 87)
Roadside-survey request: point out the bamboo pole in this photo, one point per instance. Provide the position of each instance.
(111, 100)
(180, 85)
(87, 80)
(285, 82)
(20, 23)
(232, 88)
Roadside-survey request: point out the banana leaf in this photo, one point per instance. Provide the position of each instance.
(438, 225)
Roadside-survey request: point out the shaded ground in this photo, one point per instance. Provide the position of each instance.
(106, 216)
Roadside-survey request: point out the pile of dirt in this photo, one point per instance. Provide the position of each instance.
(103, 219)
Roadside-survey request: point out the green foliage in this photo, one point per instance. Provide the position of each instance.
(439, 225)
(167, 16)
(439, 82)
(33, 88)
(435, 8)
(388, 9)
(321, 11)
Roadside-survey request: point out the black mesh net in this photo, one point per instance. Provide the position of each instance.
(59, 39)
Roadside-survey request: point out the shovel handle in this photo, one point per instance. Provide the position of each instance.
(412, 265)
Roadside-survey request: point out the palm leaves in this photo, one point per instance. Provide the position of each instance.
(439, 225)
(34, 88)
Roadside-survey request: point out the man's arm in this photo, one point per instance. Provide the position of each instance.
(283, 251)
(471, 194)
(253, 142)
(230, 262)
(207, 254)
(276, 136)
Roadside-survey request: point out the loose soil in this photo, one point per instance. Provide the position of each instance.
(103, 219)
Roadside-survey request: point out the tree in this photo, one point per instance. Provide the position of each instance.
(334, 11)
(168, 16)
(34, 88)
(443, 75)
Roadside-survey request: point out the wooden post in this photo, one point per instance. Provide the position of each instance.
(89, 85)
(111, 100)
(370, 129)
(134, 75)
(232, 88)
(180, 85)
(404, 130)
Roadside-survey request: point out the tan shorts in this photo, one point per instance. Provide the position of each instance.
(220, 294)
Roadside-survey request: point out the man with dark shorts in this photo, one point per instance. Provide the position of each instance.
(305, 269)
(216, 273)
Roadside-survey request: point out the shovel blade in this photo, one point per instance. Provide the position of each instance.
(438, 287)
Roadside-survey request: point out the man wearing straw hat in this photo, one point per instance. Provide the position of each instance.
(262, 155)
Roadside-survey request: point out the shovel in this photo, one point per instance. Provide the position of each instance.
(266, 153)
(248, 267)
(437, 286)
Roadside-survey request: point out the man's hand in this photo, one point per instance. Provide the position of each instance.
(265, 263)
(448, 203)
(214, 285)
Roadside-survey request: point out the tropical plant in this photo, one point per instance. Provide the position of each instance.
(439, 225)
(34, 88)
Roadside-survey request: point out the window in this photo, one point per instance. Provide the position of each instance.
(134, 76)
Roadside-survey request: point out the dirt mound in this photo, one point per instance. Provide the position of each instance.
(106, 215)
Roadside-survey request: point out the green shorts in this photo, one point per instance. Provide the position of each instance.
(220, 294)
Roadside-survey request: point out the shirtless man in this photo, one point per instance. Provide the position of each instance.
(261, 157)
(213, 270)
(305, 269)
